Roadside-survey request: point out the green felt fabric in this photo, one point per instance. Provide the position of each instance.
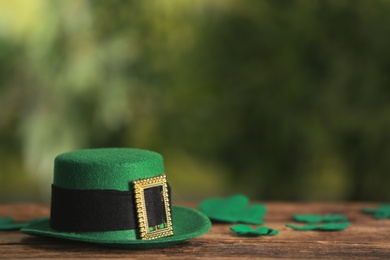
(6, 220)
(334, 226)
(7, 223)
(187, 223)
(309, 218)
(332, 222)
(115, 169)
(382, 212)
(106, 168)
(233, 209)
(245, 230)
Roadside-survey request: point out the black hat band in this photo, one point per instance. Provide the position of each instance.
(103, 210)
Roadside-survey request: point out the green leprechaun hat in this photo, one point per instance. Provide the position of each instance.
(117, 197)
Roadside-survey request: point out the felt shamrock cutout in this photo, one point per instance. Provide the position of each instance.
(233, 209)
(245, 230)
(5, 220)
(382, 212)
(336, 226)
(317, 218)
(334, 222)
(7, 223)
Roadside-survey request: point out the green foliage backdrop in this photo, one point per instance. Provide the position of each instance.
(284, 100)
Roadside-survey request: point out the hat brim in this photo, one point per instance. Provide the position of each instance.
(187, 223)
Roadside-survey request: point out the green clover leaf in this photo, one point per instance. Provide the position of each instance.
(7, 223)
(233, 209)
(245, 230)
(5, 220)
(309, 218)
(321, 227)
(382, 212)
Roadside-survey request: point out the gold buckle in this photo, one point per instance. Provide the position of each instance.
(166, 228)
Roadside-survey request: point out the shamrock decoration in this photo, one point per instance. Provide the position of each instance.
(245, 230)
(233, 209)
(317, 218)
(335, 222)
(382, 212)
(321, 227)
(7, 223)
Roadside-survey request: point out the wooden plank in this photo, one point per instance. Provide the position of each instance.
(366, 238)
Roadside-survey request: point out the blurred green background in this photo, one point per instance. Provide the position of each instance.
(279, 100)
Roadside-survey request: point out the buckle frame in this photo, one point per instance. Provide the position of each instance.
(146, 232)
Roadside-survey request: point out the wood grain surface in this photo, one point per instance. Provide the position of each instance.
(366, 238)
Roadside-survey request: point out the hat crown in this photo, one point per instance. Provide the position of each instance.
(105, 168)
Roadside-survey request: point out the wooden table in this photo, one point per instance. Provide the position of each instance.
(366, 238)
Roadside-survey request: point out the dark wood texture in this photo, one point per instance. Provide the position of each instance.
(366, 238)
